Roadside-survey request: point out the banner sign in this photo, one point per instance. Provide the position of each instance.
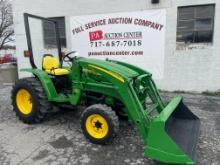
(134, 37)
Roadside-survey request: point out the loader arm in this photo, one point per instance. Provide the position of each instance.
(120, 87)
(158, 124)
(169, 132)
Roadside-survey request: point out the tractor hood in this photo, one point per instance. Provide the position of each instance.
(122, 70)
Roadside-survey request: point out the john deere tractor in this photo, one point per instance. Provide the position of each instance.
(108, 87)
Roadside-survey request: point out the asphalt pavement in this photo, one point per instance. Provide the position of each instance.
(59, 140)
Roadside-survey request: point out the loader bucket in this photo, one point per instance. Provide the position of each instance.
(173, 134)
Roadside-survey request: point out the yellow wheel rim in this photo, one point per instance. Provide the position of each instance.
(97, 126)
(24, 101)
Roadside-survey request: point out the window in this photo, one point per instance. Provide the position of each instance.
(195, 24)
(49, 32)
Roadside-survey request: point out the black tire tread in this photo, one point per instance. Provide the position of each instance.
(110, 113)
(44, 107)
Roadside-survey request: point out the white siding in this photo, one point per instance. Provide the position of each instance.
(186, 68)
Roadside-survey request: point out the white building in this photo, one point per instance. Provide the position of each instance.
(192, 49)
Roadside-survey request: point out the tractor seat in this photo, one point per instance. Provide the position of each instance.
(51, 65)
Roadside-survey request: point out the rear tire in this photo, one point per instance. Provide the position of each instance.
(99, 123)
(29, 101)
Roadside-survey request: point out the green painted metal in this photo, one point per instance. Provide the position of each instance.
(131, 85)
(166, 150)
(48, 85)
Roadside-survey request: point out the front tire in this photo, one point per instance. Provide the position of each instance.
(29, 100)
(99, 123)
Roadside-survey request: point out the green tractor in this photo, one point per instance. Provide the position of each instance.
(169, 130)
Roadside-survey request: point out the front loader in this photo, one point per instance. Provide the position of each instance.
(169, 130)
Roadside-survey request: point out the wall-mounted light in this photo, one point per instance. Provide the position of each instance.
(155, 1)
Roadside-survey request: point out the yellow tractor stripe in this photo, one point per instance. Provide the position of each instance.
(117, 76)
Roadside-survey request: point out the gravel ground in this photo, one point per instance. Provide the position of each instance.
(60, 140)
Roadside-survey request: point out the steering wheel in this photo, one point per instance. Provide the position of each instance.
(68, 56)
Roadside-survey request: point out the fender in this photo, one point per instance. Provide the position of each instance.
(45, 81)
